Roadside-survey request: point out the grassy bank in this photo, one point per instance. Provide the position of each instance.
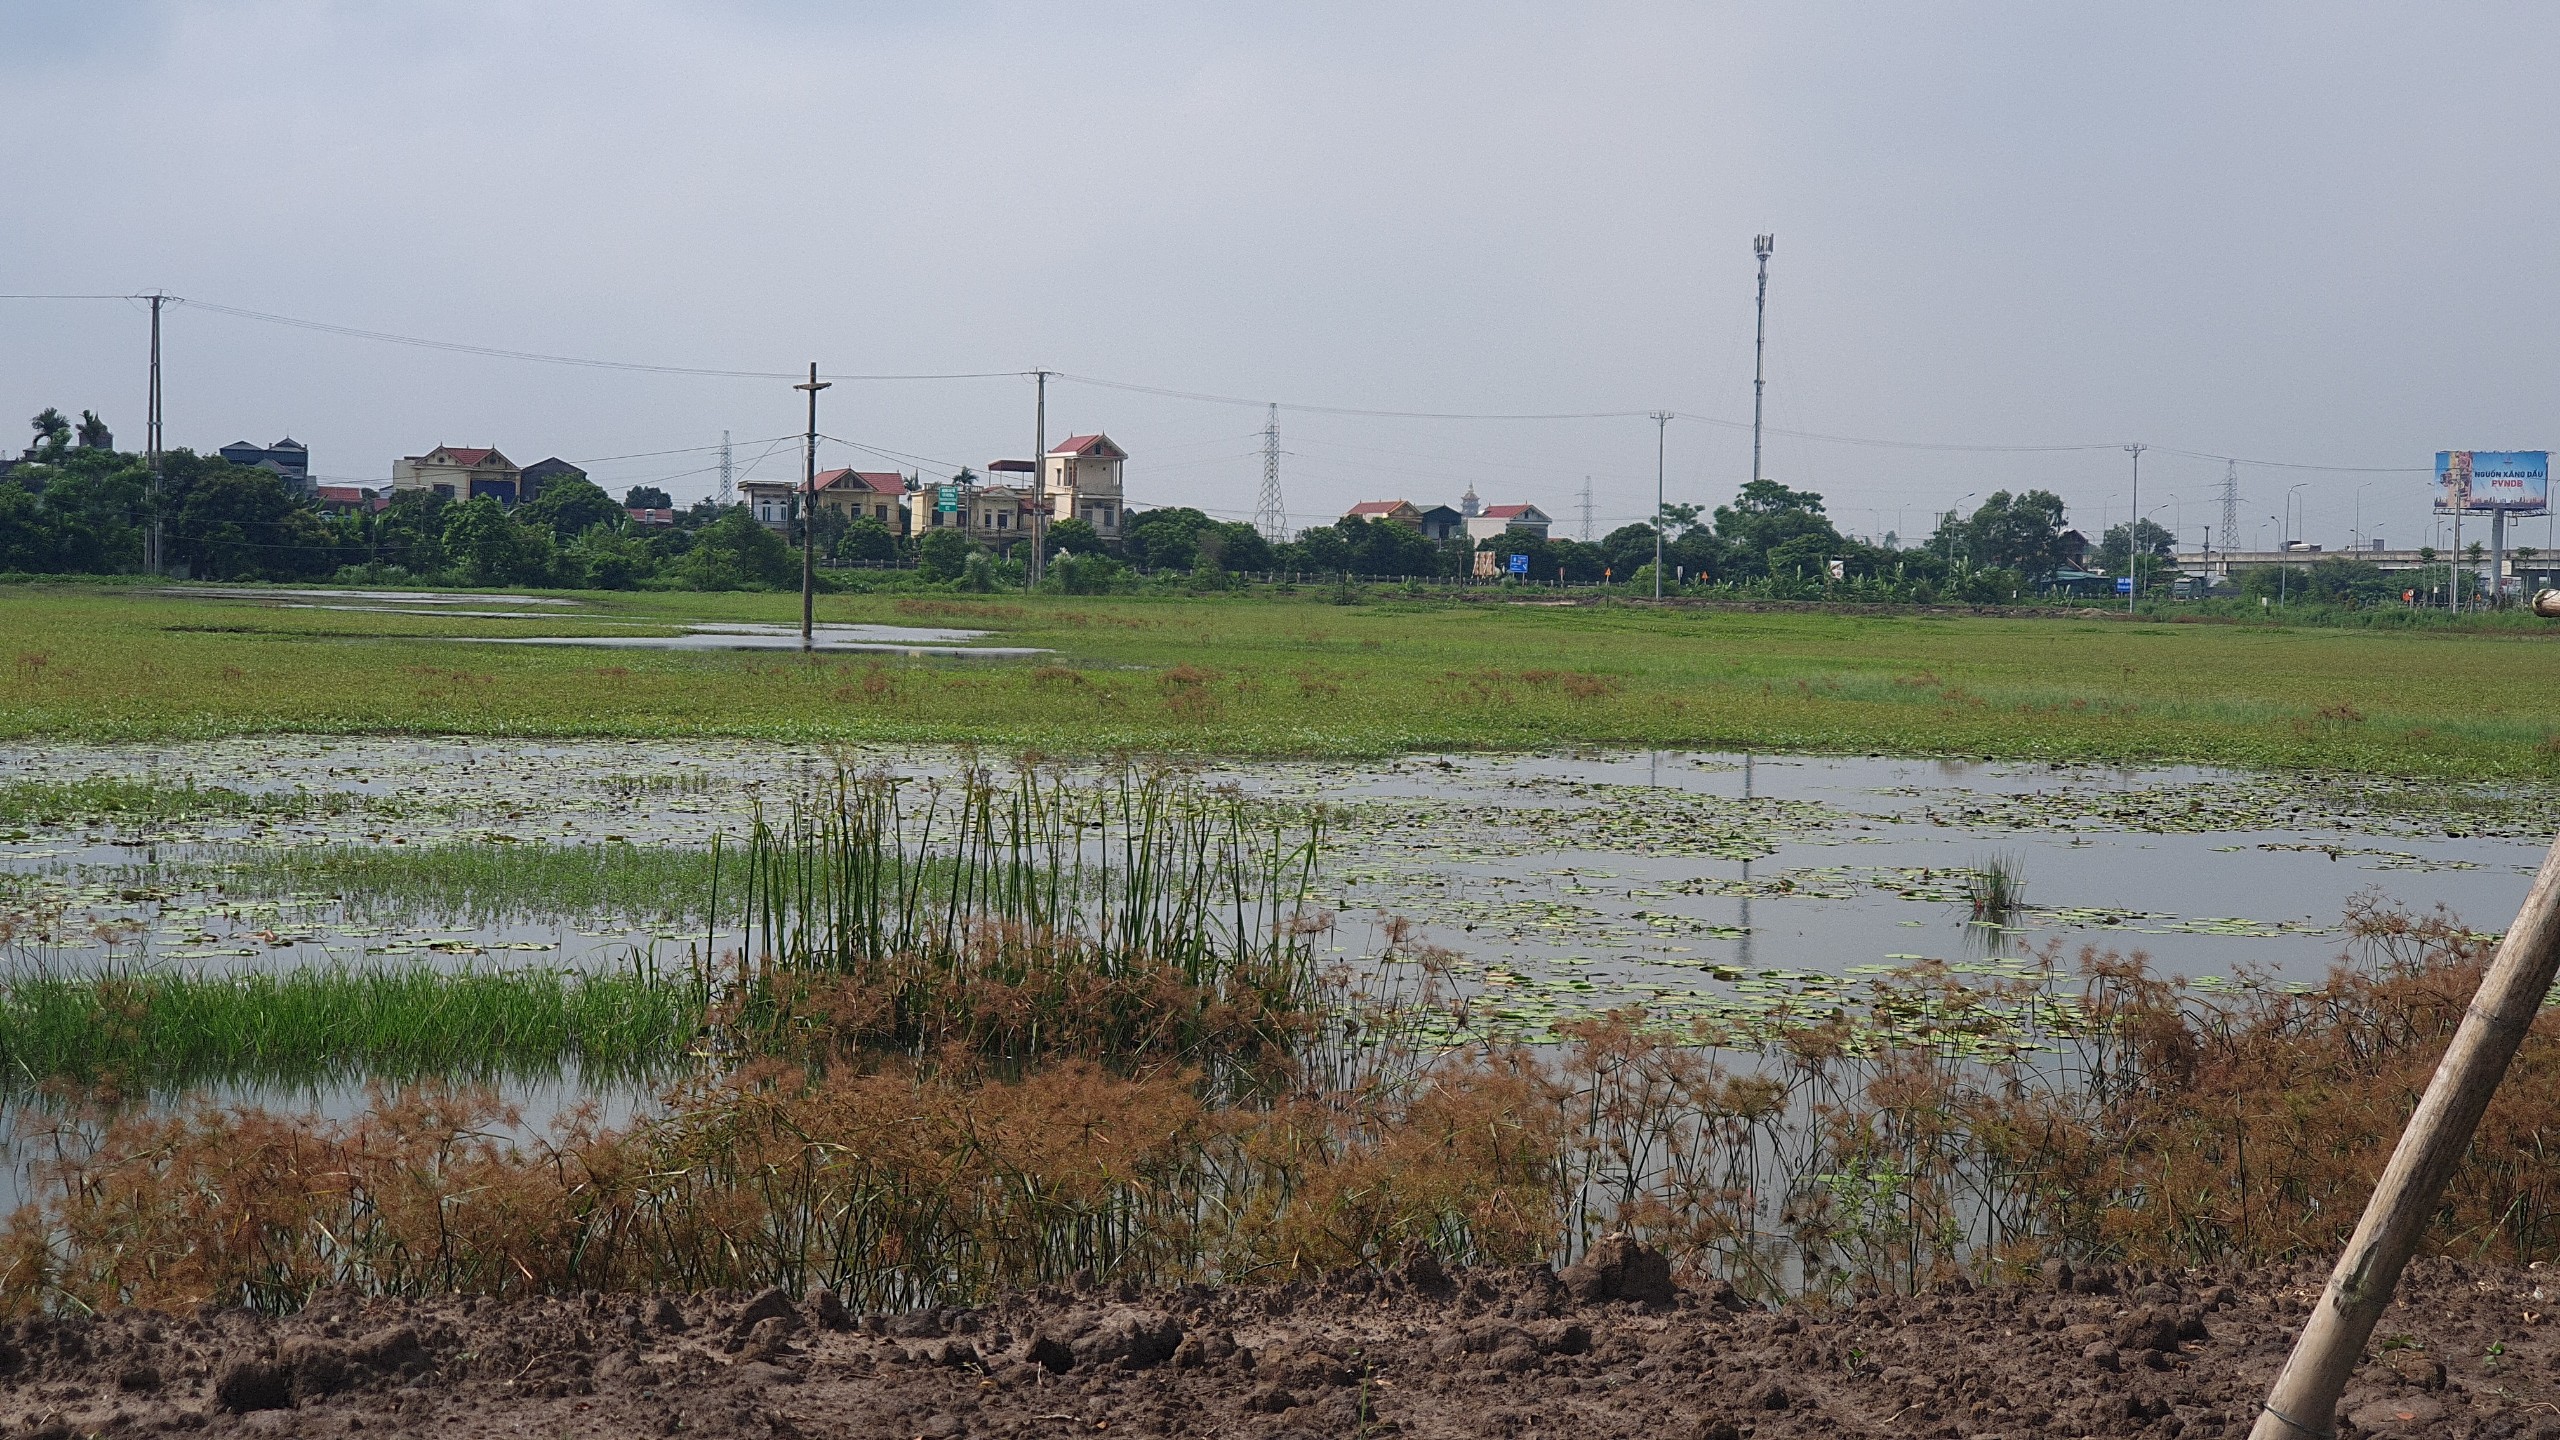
(166, 1033)
(1267, 675)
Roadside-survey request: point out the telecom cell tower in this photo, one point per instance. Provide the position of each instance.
(724, 470)
(1270, 516)
(2231, 505)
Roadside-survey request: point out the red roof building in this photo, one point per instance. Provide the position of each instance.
(1402, 512)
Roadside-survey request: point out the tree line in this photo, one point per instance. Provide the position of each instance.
(76, 506)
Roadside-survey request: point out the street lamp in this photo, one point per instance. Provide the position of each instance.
(1949, 548)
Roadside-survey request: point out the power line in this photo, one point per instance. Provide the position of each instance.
(1201, 397)
(680, 450)
(498, 352)
(1210, 399)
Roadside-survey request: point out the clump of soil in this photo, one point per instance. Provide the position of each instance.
(1608, 1349)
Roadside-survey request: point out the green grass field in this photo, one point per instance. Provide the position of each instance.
(1263, 675)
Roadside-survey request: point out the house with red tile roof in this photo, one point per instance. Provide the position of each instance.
(1080, 479)
(865, 495)
(854, 494)
(1403, 512)
(460, 472)
(1495, 520)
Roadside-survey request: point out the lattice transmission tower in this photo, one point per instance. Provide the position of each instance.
(1270, 514)
(2231, 505)
(725, 475)
(1586, 509)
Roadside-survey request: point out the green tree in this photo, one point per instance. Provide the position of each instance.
(648, 497)
(2021, 533)
(942, 554)
(1087, 573)
(241, 523)
(606, 557)
(2155, 542)
(1166, 539)
(30, 538)
(735, 553)
(487, 547)
(867, 542)
(1075, 537)
(1383, 547)
(53, 432)
(98, 504)
(1764, 516)
(409, 532)
(1627, 549)
(93, 432)
(570, 506)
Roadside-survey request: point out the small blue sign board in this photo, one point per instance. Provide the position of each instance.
(1519, 564)
(2124, 584)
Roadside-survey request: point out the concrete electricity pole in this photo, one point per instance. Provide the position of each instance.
(809, 511)
(151, 438)
(1661, 429)
(1040, 476)
(2133, 533)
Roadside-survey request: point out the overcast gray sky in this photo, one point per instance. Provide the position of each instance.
(2321, 234)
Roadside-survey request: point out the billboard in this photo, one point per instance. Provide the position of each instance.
(2514, 480)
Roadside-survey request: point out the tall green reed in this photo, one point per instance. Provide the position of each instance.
(1040, 890)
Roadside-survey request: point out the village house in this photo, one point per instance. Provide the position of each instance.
(288, 458)
(865, 495)
(1080, 480)
(992, 515)
(1495, 520)
(1402, 512)
(1441, 522)
(459, 472)
(1491, 522)
(772, 502)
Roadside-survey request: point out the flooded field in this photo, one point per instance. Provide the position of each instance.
(288, 921)
(1562, 882)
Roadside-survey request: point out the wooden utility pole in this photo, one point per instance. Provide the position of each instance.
(809, 511)
(2305, 1398)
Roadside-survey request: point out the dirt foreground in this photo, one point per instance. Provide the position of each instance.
(1609, 1349)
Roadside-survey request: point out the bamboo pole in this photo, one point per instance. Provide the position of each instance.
(2305, 1398)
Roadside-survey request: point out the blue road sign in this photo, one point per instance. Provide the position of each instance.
(1519, 564)
(2124, 584)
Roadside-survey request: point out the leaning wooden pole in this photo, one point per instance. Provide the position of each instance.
(2305, 1398)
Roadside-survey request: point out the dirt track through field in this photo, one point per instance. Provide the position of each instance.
(2467, 1351)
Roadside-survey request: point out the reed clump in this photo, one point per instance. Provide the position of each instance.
(1996, 889)
(1125, 920)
